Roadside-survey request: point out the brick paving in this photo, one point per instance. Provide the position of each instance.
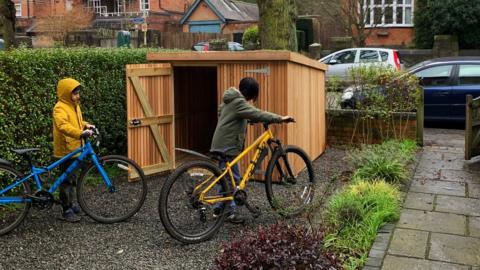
(439, 226)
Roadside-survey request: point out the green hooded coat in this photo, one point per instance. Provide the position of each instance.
(234, 112)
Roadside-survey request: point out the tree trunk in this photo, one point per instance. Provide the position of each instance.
(7, 22)
(276, 27)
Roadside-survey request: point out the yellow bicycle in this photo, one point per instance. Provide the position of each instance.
(192, 191)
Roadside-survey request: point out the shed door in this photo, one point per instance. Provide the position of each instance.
(150, 114)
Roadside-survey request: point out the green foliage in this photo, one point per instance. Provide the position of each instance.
(387, 161)
(250, 36)
(354, 217)
(28, 80)
(447, 17)
(380, 93)
(385, 90)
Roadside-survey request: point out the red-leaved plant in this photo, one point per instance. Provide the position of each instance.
(280, 246)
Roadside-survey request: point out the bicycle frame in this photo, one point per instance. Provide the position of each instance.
(260, 143)
(85, 151)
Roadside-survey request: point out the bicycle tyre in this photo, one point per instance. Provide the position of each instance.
(290, 197)
(109, 207)
(173, 206)
(8, 224)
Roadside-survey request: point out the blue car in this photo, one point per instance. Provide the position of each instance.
(445, 81)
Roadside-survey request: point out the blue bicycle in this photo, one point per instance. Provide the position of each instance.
(109, 189)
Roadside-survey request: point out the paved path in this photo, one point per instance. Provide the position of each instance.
(439, 226)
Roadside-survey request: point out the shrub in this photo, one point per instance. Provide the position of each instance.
(380, 93)
(387, 161)
(28, 81)
(385, 90)
(250, 36)
(354, 217)
(279, 246)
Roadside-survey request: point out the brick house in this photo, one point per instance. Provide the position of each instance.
(163, 15)
(220, 16)
(392, 22)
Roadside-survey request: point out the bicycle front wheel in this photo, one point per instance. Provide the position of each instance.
(289, 181)
(12, 213)
(123, 200)
(184, 217)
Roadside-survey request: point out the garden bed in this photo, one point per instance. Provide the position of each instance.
(44, 242)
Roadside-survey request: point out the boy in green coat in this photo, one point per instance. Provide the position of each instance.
(229, 134)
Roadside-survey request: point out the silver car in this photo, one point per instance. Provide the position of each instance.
(340, 62)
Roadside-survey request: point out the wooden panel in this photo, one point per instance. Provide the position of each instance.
(306, 102)
(150, 100)
(272, 96)
(228, 57)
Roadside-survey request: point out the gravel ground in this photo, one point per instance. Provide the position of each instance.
(43, 241)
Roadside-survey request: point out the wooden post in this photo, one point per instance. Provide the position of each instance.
(468, 127)
(420, 119)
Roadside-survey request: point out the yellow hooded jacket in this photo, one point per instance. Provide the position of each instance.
(68, 122)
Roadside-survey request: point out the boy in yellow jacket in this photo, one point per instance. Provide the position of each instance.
(68, 130)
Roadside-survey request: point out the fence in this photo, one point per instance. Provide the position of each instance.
(169, 40)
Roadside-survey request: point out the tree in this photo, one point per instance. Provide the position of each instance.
(7, 22)
(447, 17)
(58, 26)
(352, 15)
(276, 27)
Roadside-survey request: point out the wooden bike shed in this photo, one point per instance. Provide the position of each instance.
(173, 102)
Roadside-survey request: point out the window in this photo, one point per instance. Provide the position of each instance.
(368, 56)
(435, 76)
(18, 10)
(144, 5)
(345, 57)
(469, 74)
(326, 60)
(384, 56)
(388, 12)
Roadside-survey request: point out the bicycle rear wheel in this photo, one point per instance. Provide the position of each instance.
(110, 206)
(289, 181)
(12, 214)
(184, 217)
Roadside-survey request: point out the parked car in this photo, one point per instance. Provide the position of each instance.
(340, 62)
(203, 46)
(445, 83)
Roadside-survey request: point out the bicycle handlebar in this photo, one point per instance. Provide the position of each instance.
(94, 136)
(266, 124)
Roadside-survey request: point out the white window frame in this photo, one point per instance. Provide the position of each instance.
(18, 10)
(395, 6)
(144, 5)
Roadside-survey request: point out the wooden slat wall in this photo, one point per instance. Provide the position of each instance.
(306, 102)
(272, 96)
(159, 91)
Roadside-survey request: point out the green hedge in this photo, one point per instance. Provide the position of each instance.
(28, 81)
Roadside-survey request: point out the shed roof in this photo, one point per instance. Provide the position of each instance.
(226, 56)
(227, 10)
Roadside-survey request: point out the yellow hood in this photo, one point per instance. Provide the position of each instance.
(65, 88)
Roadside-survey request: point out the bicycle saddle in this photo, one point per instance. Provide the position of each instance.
(25, 150)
